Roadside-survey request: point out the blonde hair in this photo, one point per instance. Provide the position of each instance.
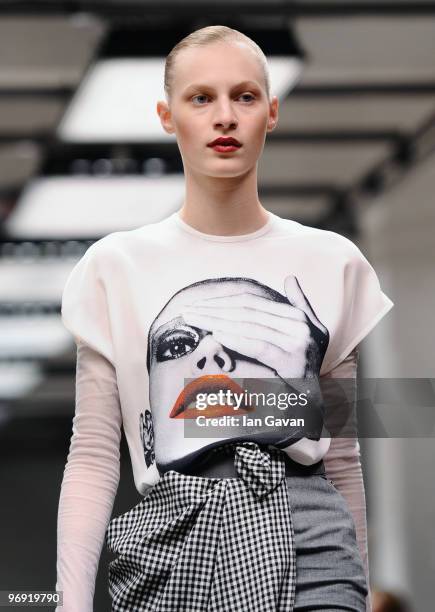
(205, 36)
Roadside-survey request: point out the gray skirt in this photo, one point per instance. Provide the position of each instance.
(264, 541)
(329, 569)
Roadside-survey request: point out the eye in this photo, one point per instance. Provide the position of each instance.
(244, 94)
(176, 344)
(200, 96)
(248, 94)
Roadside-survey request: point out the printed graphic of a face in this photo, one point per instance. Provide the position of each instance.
(210, 332)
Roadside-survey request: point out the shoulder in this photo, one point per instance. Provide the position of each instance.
(127, 242)
(320, 241)
(334, 242)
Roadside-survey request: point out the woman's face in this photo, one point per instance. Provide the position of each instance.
(186, 360)
(219, 90)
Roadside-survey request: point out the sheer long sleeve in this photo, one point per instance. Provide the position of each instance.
(343, 467)
(90, 479)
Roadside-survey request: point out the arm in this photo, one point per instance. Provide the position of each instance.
(90, 480)
(343, 466)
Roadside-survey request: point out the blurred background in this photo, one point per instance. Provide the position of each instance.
(82, 154)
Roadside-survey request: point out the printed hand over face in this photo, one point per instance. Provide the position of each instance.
(286, 337)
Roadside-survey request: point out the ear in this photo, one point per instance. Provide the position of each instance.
(273, 114)
(164, 113)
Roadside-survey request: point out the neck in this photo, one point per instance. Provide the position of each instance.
(223, 206)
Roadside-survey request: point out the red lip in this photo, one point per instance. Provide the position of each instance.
(225, 141)
(206, 384)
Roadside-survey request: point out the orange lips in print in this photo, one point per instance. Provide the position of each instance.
(185, 405)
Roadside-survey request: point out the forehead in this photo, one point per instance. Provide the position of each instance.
(228, 61)
(214, 288)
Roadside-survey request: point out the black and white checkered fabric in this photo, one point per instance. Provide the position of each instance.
(196, 544)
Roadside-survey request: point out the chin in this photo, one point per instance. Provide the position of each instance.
(227, 173)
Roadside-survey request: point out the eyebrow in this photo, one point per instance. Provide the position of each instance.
(171, 325)
(206, 86)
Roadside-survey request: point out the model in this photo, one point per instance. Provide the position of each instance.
(233, 517)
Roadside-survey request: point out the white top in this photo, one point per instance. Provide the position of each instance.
(112, 380)
(173, 308)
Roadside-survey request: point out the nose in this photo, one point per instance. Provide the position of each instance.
(225, 116)
(211, 357)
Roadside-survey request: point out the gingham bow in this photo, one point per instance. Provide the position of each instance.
(262, 471)
(198, 544)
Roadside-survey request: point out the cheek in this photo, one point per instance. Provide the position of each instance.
(261, 126)
(188, 130)
(166, 379)
(185, 133)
